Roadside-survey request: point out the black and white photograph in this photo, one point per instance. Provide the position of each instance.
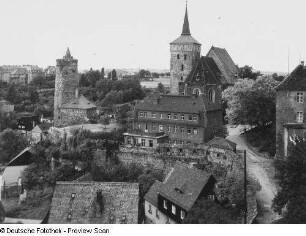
(151, 112)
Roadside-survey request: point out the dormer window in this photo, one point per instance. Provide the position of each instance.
(182, 215)
(173, 210)
(211, 95)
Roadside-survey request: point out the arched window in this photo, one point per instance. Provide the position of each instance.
(211, 95)
(182, 67)
(197, 91)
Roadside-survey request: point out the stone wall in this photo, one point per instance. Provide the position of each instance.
(192, 53)
(66, 83)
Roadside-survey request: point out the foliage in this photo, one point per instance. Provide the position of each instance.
(8, 121)
(247, 72)
(277, 77)
(251, 102)
(291, 172)
(11, 143)
(124, 113)
(209, 212)
(104, 120)
(12, 94)
(160, 88)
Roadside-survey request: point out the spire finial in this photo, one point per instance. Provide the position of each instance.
(68, 54)
(186, 29)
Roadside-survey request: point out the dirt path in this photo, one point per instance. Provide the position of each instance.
(261, 169)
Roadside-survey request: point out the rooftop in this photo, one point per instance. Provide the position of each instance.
(79, 103)
(183, 186)
(222, 143)
(172, 103)
(295, 81)
(94, 203)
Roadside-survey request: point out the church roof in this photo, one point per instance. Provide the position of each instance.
(295, 81)
(185, 37)
(79, 103)
(93, 202)
(171, 103)
(205, 72)
(230, 68)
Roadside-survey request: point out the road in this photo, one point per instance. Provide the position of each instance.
(261, 169)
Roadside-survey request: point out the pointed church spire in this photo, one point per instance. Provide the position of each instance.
(186, 30)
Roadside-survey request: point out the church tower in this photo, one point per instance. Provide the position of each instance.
(66, 84)
(185, 52)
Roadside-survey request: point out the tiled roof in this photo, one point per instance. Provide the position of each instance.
(185, 39)
(227, 62)
(172, 103)
(206, 72)
(184, 185)
(151, 195)
(79, 103)
(222, 143)
(296, 81)
(94, 203)
(23, 158)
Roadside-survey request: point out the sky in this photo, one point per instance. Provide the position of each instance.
(136, 33)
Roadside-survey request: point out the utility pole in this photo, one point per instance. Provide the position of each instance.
(245, 189)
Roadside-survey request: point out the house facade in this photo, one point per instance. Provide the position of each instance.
(291, 110)
(169, 202)
(172, 119)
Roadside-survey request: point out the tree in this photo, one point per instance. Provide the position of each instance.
(251, 102)
(105, 120)
(102, 73)
(124, 113)
(39, 81)
(144, 73)
(114, 75)
(12, 94)
(11, 143)
(160, 88)
(33, 95)
(291, 172)
(277, 77)
(247, 72)
(209, 212)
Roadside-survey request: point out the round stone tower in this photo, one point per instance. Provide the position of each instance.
(66, 83)
(185, 53)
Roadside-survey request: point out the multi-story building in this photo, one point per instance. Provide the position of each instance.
(192, 114)
(169, 202)
(69, 107)
(291, 109)
(19, 74)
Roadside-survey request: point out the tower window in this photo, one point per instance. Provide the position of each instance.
(182, 67)
(185, 57)
(299, 117)
(211, 95)
(178, 56)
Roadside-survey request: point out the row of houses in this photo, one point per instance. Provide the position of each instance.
(23, 74)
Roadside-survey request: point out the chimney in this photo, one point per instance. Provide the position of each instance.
(77, 93)
(302, 63)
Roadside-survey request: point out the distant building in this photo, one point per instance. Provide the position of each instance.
(19, 74)
(169, 202)
(69, 107)
(50, 71)
(39, 132)
(6, 107)
(173, 119)
(27, 121)
(94, 203)
(291, 109)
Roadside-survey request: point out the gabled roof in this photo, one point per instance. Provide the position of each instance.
(171, 103)
(295, 81)
(151, 195)
(184, 185)
(205, 72)
(94, 203)
(227, 62)
(79, 103)
(23, 158)
(222, 143)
